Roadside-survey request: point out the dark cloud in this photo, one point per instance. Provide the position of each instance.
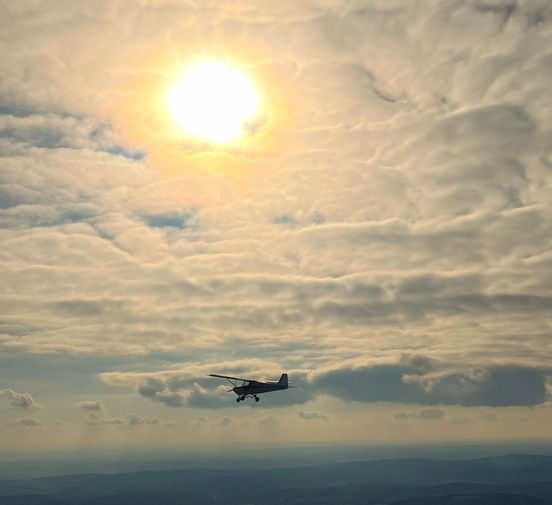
(149, 386)
(413, 379)
(156, 389)
(192, 387)
(492, 386)
(46, 131)
(208, 398)
(216, 397)
(171, 398)
(421, 364)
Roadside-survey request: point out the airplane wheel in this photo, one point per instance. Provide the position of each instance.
(256, 398)
(238, 400)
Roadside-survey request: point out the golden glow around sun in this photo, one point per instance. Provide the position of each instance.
(214, 102)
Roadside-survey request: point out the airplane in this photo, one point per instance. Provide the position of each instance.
(253, 388)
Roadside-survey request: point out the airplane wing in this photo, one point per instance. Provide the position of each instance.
(230, 378)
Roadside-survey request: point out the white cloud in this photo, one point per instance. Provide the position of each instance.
(136, 420)
(24, 421)
(225, 421)
(424, 414)
(19, 401)
(95, 420)
(90, 406)
(313, 416)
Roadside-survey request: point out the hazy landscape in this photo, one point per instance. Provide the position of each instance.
(292, 476)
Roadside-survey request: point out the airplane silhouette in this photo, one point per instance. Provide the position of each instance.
(252, 388)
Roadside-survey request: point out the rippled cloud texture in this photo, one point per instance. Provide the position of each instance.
(385, 237)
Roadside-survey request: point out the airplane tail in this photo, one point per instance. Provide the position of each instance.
(283, 380)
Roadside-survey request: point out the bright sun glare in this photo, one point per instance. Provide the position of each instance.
(213, 102)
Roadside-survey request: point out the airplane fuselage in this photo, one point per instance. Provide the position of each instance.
(257, 388)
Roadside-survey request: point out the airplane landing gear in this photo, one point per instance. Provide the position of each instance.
(242, 398)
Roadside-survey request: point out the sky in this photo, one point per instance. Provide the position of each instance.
(382, 232)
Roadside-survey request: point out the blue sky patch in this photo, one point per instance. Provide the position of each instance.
(181, 221)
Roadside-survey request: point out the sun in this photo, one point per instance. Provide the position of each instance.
(214, 102)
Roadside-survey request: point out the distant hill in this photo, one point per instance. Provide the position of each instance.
(505, 480)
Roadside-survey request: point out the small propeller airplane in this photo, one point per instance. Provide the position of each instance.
(252, 388)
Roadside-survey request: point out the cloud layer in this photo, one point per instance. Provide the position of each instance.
(414, 379)
(396, 201)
